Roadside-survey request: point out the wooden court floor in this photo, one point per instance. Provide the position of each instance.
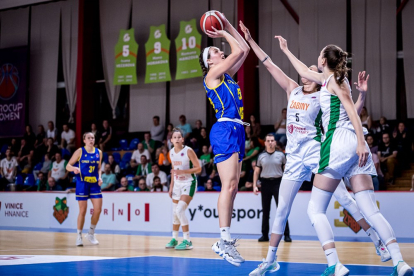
(114, 245)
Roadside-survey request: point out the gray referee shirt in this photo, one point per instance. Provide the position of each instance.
(271, 164)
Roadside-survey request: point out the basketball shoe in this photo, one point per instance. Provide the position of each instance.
(383, 252)
(265, 267)
(79, 241)
(402, 269)
(91, 238)
(173, 243)
(337, 269)
(185, 245)
(227, 250)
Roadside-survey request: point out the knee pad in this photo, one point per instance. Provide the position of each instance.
(180, 211)
(176, 220)
(346, 201)
(318, 203)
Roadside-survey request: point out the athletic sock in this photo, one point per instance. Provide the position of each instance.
(186, 236)
(271, 254)
(92, 229)
(395, 253)
(175, 235)
(79, 232)
(225, 233)
(331, 256)
(373, 235)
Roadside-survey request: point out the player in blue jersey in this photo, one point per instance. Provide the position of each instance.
(227, 135)
(88, 161)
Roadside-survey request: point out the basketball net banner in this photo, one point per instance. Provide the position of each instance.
(13, 71)
(157, 50)
(188, 44)
(126, 58)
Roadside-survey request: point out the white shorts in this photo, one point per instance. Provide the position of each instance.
(338, 156)
(184, 188)
(302, 162)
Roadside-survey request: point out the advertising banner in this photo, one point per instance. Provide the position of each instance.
(157, 51)
(13, 71)
(188, 44)
(126, 58)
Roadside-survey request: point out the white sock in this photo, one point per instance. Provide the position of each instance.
(175, 235)
(373, 235)
(79, 232)
(331, 256)
(271, 254)
(225, 233)
(92, 229)
(395, 253)
(186, 236)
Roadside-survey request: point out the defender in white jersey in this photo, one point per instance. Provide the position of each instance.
(344, 139)
(303, 136)
(183, 185)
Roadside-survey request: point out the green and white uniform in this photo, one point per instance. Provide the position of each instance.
(338, 149)
(184, 184)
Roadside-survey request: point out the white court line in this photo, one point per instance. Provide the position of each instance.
(41, 259)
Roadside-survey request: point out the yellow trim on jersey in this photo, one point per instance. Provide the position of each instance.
(96, 194)
(90, 179)
(238, 109)
(80, 171)
(88, 151)
(217, 85)
(81, 196)
(222, 105)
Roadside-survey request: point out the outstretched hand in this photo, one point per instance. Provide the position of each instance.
(216, 33)
(282, 43)
(246, 31)
(362, 84)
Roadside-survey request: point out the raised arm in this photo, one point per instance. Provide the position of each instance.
(300, 67)
(362, 87)
(281, 78)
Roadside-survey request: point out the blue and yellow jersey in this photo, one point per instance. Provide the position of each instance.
(226, 98)
(89, 166)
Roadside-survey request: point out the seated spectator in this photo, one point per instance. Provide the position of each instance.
(157, 186)
(52, 132)
(143, 169)
(108, 179)
(365, 118)
(148, 143)
(142, 186)
(29, 136)
(40, 136)
(371, 144)
(243, 176)
(168, 136)
(387, 154)
(113, 165)
(14, 147)
(185, 127)
(256, 128)
(379, 179)
(156, 172)
(254, 150)
(41, 150)
(209, 186)
(46, 164)
(28, 167)
(404, 145)
(136, 155)
(206, 163)
(157, 155)
(41, 183)
(106, 136)
(248, 134)
(68, 138)
(157, 130)
(8, 170)
(96, 133)
(52, 185)
(203, 140)
(164, 160)
(382, 128)
(196, 132)
(24, 153)
(51, 149)
(58, 170)
(280, 128)
(124, 186)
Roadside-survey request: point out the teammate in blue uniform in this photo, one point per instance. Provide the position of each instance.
(227, 135)
(86, 164)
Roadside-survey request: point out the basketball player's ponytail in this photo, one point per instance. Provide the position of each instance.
(203, 67)
(336, 60)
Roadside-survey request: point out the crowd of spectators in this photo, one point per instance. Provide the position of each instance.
(38, 162)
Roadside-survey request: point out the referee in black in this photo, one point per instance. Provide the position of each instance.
(269, 167)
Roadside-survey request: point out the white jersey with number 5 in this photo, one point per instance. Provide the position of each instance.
(303, 119)
(181, 161)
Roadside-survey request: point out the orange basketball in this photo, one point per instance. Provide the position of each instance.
(212, 19)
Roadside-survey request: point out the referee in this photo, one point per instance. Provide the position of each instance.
(270, 164)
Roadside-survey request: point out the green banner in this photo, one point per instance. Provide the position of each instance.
(157, 50)
(126, 58)
(188, 45)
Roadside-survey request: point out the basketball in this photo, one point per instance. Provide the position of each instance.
(212, 19)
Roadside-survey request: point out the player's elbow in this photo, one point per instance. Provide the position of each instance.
(198, 170)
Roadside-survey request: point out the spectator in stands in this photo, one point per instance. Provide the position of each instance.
(96, 133)
(8, 170)
(143, 169)
(164, 160)
(45, 166)
(41, 150)
(254, 150)
(157, 155)
(209, 186)
(256, 128)
(184, 126)
(157, 186)
(157, 130)
(194, 138)
(41, 182)
(23, 153)
(108, 179)
(29, 136)
(52, 132)
(28, 167)
(365, 118)
(248, 134)
(68, 138)
(148, 143)
(404, 144)
(203, 140)
(156, 172)
(168, 136)
(280, 128)
(14, 147)
(142, 185)
(58, 170)
(382, 128)
(52, 185)
(113, 165)
(387, 154)
(136, 155)
(40, 136)
(197, 129)
(371, 144)
(106, 136)
(52, 149)
(124, 186)
(379, 179)
(206, 163)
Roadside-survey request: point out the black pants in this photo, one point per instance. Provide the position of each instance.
(270, 187)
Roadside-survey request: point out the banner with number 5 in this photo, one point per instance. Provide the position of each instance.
(126, 58)
(188, 45)
(157, 51)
